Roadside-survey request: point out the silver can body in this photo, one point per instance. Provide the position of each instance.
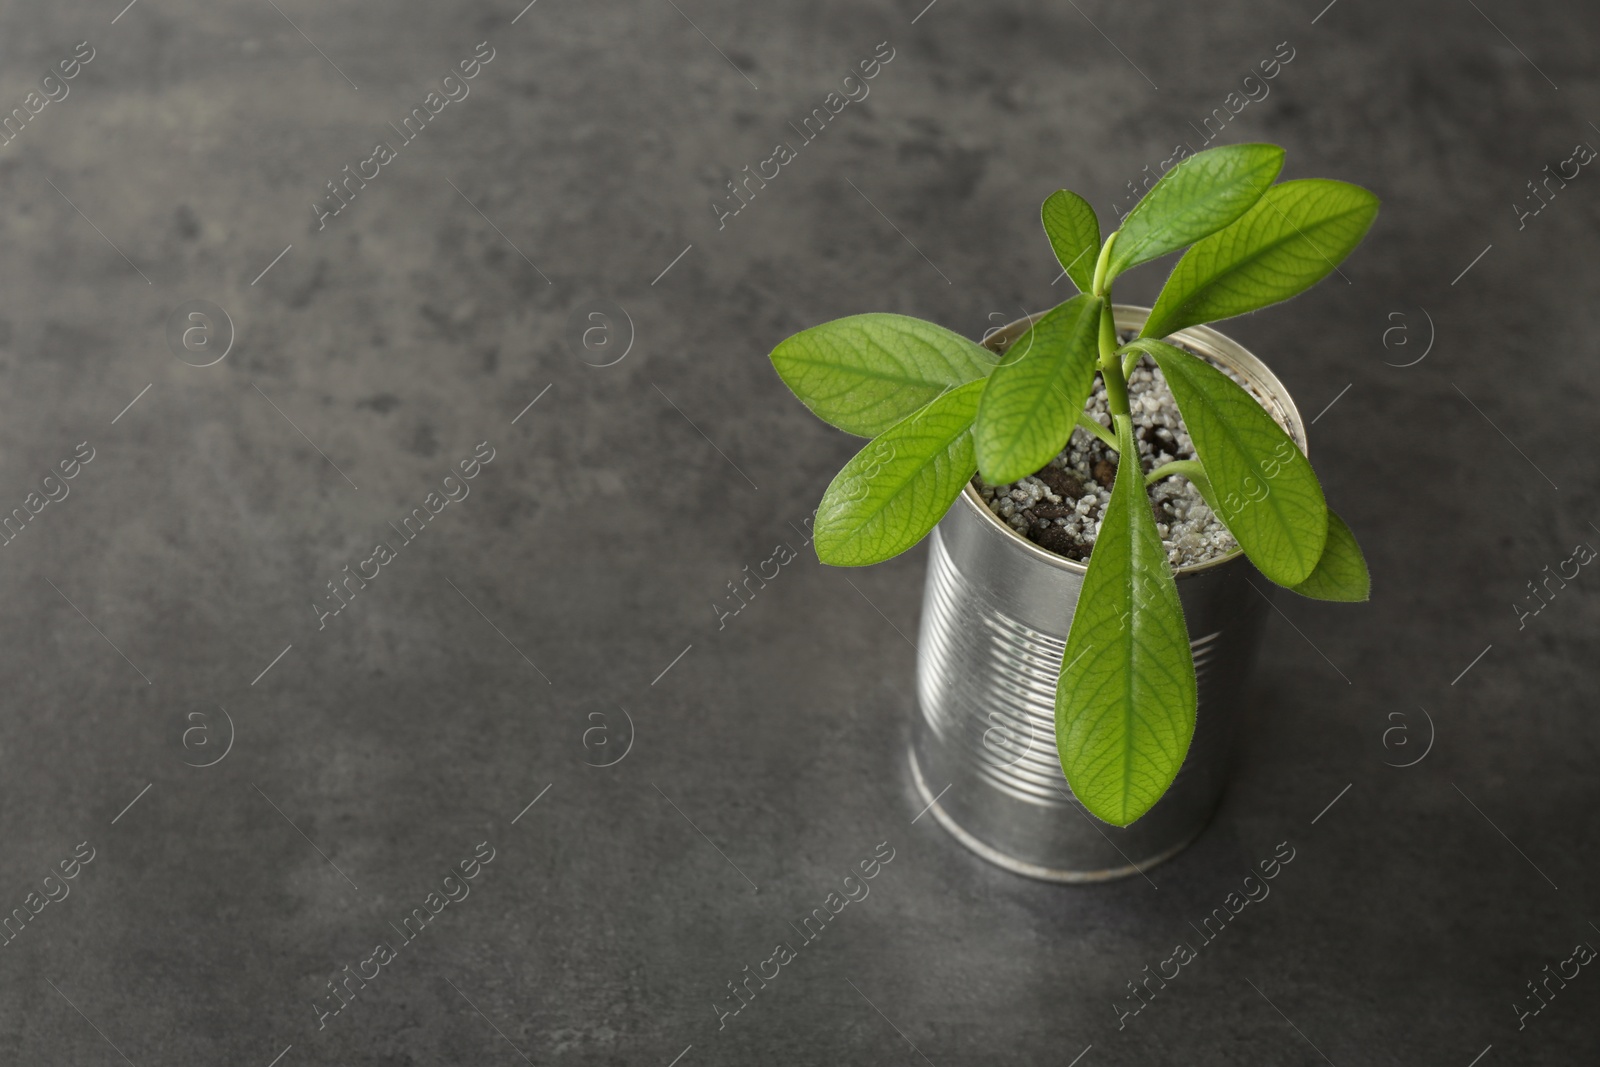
(995, 616)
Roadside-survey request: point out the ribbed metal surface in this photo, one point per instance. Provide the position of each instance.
(996, 611)
(987, 682)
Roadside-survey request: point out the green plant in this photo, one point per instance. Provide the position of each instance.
(940, 407)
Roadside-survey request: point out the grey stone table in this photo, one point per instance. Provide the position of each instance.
(252, 791)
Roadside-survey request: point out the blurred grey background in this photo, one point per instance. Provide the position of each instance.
(267, 790)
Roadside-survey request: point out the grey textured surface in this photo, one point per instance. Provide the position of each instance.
(416, 725)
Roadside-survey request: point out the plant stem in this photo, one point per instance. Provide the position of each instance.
(1129, 361)
(1099, 286)
(1111, 366)
(1099, 431)
(1111, 373)
(1189, 468)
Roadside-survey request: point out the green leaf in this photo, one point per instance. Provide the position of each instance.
(893, 491)
(1262, 485)
(865, 373)
(1034, 396)
(1293, 238)
(1341, 573)
(1199, 196)
(1074, 233)
(1125, 703)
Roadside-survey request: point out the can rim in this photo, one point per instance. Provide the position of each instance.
(1211, 343)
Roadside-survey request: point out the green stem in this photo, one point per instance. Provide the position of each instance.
(1101, 282)
(1129, 361)
(1110, 365)
(1099, 431)
(1189, 468)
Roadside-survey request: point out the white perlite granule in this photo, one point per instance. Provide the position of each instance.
(1060, 508)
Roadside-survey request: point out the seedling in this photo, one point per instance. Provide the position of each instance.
(940, 407)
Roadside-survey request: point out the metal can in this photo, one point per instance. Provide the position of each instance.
(996, 611)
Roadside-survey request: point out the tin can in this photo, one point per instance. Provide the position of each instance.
(996, 611)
